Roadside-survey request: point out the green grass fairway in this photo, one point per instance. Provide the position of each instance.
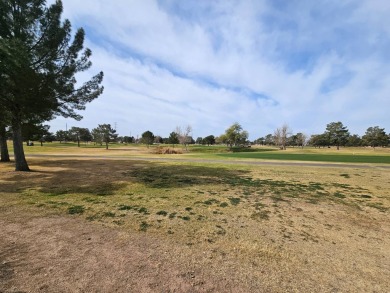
(342, 158)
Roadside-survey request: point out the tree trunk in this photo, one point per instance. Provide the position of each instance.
(3, 145)
(106, 145)
(20, 159)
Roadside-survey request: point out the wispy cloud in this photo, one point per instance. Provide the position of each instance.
(261, 63)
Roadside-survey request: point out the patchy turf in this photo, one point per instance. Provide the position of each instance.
(257, 228)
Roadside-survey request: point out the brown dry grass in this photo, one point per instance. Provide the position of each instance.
(166, 150)
(221, 228)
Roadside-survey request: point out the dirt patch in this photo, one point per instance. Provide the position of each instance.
(64, 254)
(55, 253)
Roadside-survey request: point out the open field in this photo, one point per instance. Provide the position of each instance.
(221, 152)
(86, 224)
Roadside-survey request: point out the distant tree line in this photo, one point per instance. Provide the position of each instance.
(335, 134)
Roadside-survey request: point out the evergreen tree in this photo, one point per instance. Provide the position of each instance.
(62, 135)
(173, 138)
(210, 139)
(337, 134)
(35, 132)
(147, 138)
(79, 134)
(39, 63)
(375, 136)
(104, 133)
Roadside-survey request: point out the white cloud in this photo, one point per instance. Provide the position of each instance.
(209, 63)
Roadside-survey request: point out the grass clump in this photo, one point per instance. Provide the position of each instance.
(261, 215)
(234, 200)
(143, 210)
(220, 230)
(125, 208)
(77, 209)
(144, 226)
(109, 214)
(162, 213)
(379, 206)
(345, 175)
(339, 195)
(211, 201)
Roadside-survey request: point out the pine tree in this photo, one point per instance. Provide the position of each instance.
(39, 62)
(337, 134)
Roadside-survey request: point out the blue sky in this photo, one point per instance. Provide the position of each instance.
(261, 63)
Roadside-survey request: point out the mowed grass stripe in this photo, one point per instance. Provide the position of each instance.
(311, 157)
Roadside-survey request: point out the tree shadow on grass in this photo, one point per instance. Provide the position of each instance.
(56, 177)
(101, 177)
(105, 177)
